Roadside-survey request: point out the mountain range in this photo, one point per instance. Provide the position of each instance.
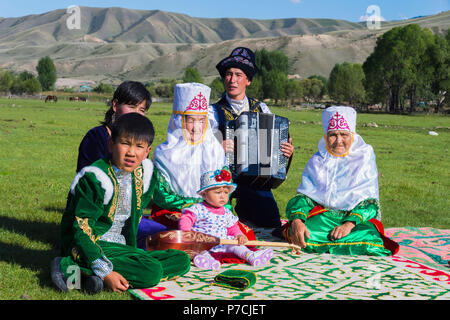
(114, 44)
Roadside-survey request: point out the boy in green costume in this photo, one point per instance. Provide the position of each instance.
(99, 226)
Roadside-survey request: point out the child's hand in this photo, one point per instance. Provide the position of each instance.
(242, 239)
(116, 282)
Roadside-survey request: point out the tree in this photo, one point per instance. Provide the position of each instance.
(274, 67)
(25, 75)
(399, 67)
(294, 90)
(274, 85)
(324, 82)
(192, 75)
(165, 88)
(217, 88)
(255, 89)
(440, 60)
(312, 89)
(104, 88)
(346, 83)
(46, 73)
(151, 86)
(6, 81)
(31, 86)
(272, 60)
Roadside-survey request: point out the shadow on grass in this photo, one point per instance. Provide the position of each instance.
(54, 209)
(34, 259)
(46, 232)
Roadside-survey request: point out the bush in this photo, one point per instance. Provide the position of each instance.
(104, 88)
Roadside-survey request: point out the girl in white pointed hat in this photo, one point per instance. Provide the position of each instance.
(190, 150)
(337, 202)
(211, 217)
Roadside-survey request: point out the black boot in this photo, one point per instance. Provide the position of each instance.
(92, 284)
(58, 277)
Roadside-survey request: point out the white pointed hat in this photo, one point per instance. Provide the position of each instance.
(191, 98)
(339, 118)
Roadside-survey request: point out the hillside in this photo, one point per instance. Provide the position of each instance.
(115, 43)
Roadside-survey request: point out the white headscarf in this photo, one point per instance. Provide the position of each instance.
(341, 182)
(180, 161)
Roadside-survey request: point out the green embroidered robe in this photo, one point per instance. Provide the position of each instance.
(90, 212)
(364, 239)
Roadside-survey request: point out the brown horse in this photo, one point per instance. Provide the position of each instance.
(51, 98)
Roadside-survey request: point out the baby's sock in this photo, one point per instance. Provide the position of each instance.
(255, 258)
(205, 261)
(260, 257)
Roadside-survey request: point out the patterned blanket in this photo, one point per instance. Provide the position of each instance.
(419, 270)
(427, 246)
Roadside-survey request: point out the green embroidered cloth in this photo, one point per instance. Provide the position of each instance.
(235, 279)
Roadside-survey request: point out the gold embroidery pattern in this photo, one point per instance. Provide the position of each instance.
(139, 182)
(84, 226)
(228, 115)
(298, 213)
(356, 214)
(344, 244)
(112, 210)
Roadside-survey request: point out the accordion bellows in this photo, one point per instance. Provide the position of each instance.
(257, 159)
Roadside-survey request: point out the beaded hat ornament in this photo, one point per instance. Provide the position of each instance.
(216, 178)
(191, 98)
(241, 58)
(339, 118)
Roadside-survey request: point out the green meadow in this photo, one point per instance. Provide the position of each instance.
(38, 151)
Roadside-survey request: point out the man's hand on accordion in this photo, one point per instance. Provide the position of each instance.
(228, 145)
(287, 148)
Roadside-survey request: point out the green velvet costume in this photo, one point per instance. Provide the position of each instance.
(164, 197)
(364, 239)
(90, 215)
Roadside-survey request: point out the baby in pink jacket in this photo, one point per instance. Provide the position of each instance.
(211, 217)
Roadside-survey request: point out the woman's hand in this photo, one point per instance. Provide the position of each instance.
(242, 239)
(116, 282)
(342, 231)
(287, 148)
(299, 232)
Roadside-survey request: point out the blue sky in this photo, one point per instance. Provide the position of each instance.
(351, 10)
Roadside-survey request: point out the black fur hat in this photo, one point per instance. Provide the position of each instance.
(241, 58)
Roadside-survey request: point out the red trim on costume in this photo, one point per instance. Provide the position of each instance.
(247, 231)
(388, 243)
(165, 217)
(316, 210)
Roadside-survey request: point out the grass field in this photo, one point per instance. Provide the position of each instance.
(38, 150)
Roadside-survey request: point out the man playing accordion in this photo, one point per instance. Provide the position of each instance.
(254, 205)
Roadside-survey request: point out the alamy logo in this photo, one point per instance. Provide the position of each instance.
(373, 21)
(74, 280)
(374, 278)
(73, 22)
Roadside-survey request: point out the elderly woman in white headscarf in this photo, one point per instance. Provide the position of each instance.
(190, 150)
(337, 201)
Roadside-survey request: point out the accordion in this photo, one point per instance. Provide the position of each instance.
(257, 159)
